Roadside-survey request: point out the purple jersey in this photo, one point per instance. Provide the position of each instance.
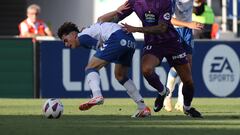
(151, 13)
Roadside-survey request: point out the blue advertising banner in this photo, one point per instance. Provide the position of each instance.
(216, 71)
(230, 8)
(216, 68)
(62, 73)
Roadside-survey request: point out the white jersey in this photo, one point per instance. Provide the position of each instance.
(100, 31)
(183, 10)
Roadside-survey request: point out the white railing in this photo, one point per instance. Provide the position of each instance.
(235, 17)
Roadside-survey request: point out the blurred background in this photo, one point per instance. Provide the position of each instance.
(85, 12)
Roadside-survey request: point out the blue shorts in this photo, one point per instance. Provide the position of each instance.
(186, 38)
(119, 48)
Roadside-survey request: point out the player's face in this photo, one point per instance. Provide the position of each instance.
(71, 40)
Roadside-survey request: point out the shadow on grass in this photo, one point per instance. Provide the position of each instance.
(118, 125)
(125, 117)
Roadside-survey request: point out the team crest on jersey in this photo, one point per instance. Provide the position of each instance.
(167, 16)
(150, 17)
(123, 42)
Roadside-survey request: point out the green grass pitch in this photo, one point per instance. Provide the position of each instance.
(24, 117)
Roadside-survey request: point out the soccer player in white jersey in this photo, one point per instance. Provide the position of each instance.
(182, 20)
(112, 45)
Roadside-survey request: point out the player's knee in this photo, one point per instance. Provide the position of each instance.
(119, 76)
(123, 80)
(147, 70)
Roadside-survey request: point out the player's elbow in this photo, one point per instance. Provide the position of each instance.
(100, 19)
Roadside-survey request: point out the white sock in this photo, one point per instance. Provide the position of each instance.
(93, 80)
(134, 94)
(171, 81)
(180, 95)
(187, 107)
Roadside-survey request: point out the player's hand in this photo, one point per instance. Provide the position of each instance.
(196, 26)
(123, 7)
(129, 28)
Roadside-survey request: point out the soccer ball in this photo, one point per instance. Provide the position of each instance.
(52, 108)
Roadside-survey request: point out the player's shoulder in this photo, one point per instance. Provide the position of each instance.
(92, 27)
(108, 24)
(90, 30)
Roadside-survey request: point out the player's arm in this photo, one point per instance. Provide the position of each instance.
(191, 25)
(157, 29)
(117, 15)
(109, 17)
(87, 41)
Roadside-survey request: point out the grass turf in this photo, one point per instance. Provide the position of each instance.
(24, 117)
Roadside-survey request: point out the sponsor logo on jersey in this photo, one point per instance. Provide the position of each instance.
(128, 43)
(180, 56)
(150, 17)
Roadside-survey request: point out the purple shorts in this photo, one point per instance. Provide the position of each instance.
(172, 51)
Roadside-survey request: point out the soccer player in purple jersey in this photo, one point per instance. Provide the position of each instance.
(161, 40)
(182, 20)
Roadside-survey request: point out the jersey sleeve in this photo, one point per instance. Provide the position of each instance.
(165, 14)
(126, 12)
(88, 42)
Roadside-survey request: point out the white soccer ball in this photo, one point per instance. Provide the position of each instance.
(52, 108)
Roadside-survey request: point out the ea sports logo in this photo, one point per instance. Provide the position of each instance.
(221, 70)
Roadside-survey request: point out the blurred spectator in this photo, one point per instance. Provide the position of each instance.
(32, 26)
(204, 14)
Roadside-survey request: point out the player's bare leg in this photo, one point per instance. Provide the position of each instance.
(149, 62)
(184, 71)
(179, 105)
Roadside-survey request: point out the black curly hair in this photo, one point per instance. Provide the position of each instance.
(66, 28)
